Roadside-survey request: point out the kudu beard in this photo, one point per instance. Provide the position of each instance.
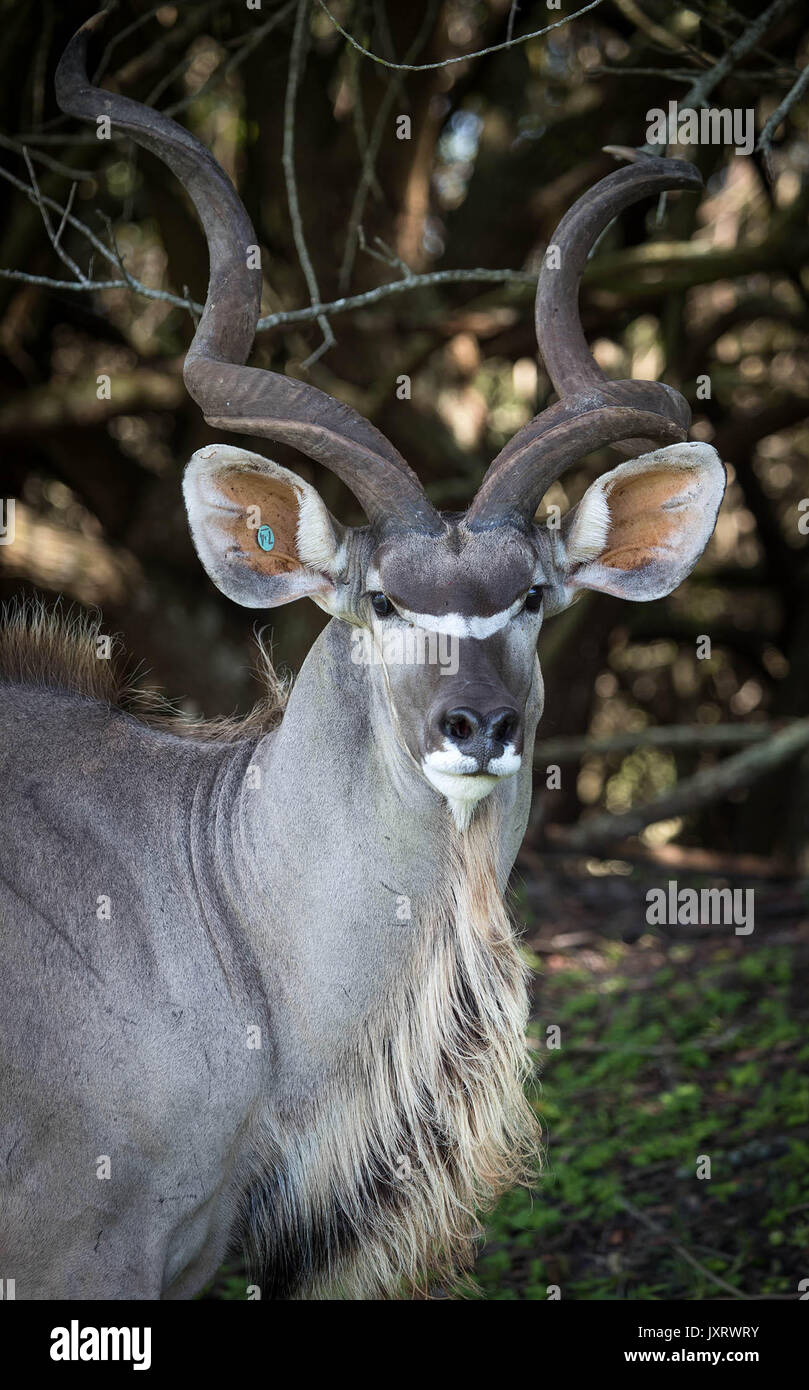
(372, 1188)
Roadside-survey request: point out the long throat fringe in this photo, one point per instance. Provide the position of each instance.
(375, 1187)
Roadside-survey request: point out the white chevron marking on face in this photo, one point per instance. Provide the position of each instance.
(456, 625)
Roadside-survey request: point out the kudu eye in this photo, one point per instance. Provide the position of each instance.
(533, 599)
(381, 605)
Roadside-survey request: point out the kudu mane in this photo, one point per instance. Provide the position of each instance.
(55, 648)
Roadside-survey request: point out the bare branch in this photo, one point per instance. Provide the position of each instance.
(84, 287)
(306, 315)
(672, 265)
(711, 20)
(82, 283)
(90, 286)
(103, 62)
(243, 49)
(178, 33)
(68, 205)
(566, 750)
(135, 285)
(53, 237)
(512, 15)
(380, 251)
(680, 1250)
(792, 97)
(55, 165)
(703, 789)
(368, 172)
(279, 320)
(51, 203)
(299, 42)
(700, 90)
(462, 58)
(358, 114)
(658, 35)
(39, 137)
(705, 83)
(757, 75)
(412, 282)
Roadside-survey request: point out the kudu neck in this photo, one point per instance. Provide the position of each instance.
(337, 782)
(339, 852)
(340, 737)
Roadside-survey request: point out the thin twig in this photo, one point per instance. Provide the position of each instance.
(68, 205)
(413, 282)
(368, 172)
(699, 91)
(684, 1254)
(299, 41)
(52, 237)
(380, 251)
(121, 34)
(307, 315)
(657, 35)
(55, 165)
(705, 83)
(462, 58)
(792, 97)
(703, 789)
(358, 114)
(712, 22)
(180, 33)
(90, 286)
(119, 260)
(51, 203)
(39, 137)
(658, 736)
(687, 74)
(243, 50)
(277, 320)
(512, 15)
(84, 283)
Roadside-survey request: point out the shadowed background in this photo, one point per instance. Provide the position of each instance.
(659, 758)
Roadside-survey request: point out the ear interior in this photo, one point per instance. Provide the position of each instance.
(262, 533)
(647, 513)
(640, 529)
(260, 518)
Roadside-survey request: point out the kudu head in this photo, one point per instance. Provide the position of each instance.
(484, 579)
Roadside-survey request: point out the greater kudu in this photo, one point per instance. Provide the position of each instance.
(297, 1015)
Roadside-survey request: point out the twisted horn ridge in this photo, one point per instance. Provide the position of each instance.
(568, 360)
(519, 477)
(592, 411)
(232, 396)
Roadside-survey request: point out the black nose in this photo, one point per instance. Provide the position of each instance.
(480, 734)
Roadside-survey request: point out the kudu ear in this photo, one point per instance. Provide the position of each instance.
(261, 532)
(640, 529)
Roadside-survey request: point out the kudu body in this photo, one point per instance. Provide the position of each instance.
(264, 985)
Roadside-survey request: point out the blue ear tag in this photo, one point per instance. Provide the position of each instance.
(265, 538)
